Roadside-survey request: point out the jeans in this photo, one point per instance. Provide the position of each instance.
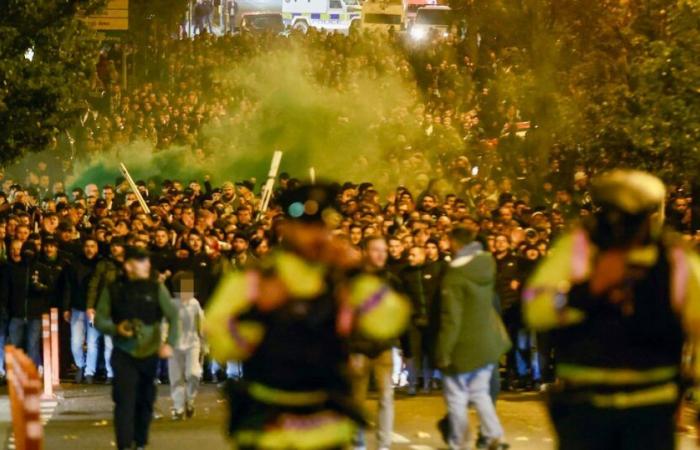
(399, 373)
(133, 392)
(425, 369)
(26, 334)
(79, 326)
(184, 371)
(462, 389)
(526, 355)
(234, 369)
(3, 334)
(383, 366)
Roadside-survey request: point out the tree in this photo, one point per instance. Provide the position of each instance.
(612, 80)
(149, 17)
(47, 59)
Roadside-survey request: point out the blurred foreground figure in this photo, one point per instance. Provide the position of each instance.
(289, 321)
(622, 298)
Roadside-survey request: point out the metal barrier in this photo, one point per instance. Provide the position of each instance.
(55, 365)
(24, 387)
(49, 333)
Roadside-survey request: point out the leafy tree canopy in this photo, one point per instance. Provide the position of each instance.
(47, 59)
(613, 79)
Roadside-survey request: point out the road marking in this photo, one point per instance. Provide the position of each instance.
(398, 439)
(421, 447)
(46, 410)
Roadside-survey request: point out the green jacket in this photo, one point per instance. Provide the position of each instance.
(106, 272)
(471, 334)
(147, 339)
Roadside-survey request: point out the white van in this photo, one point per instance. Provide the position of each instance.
(246, 8)
(432, 19)
(262, 22)
(383, 15)
(338, 15)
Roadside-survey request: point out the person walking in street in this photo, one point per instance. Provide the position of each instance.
(82, 328)
(421, 288)
(131, 310)
(107, 271)
(471, 340)
(26, 288)
(185, 365)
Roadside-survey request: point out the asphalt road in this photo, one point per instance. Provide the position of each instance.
(82, 420)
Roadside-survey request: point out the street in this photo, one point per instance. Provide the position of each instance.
(82, 420)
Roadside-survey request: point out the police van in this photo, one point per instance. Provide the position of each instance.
(383, 15)
(432, 20)
(336, 15)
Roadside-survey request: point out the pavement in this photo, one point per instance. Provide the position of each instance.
(82, 419)
(5, 418)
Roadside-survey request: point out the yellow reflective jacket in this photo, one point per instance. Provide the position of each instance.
(545, 305)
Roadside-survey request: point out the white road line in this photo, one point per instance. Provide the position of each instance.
(46, 410)
(421, 447)
(398, 439)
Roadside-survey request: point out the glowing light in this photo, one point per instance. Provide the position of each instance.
(29, 54)
(296, 209)
(418, 33)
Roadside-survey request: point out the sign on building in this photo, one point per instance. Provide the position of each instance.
(115, 17)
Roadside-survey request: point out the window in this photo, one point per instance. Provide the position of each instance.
(335, 4)
(388, 19)
(434, 17)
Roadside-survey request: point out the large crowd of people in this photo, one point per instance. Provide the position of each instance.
(61, 245)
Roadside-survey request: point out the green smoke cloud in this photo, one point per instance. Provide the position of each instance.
(344, 127)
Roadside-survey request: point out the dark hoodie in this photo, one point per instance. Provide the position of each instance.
(79, 276)
(25, 286)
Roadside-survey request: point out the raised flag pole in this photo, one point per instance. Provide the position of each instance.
(134, 188)
(270, 183)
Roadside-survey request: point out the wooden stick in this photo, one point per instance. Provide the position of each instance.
(270, 183)
(134, 188)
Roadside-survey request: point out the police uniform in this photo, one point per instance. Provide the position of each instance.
(619, 350)
(143, 304)
(295, 393)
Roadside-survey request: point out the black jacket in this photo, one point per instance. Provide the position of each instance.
(78, 279)
(56, 280)
(433, 273)
(422, 286)
(162, 258)
(506, 272)
(25, 287)
(207, 272)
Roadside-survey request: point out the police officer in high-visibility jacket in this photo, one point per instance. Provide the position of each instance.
(621, 298)
(289, 320)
